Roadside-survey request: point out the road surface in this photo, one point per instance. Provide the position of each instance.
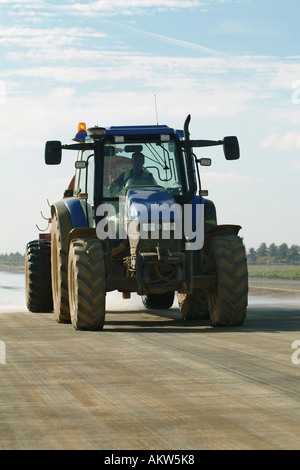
(150, 381)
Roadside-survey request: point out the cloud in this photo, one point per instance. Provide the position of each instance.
(180, 83)
(205, 86)
(36, 38)
(288, 141)
(117, 7)
(286, 76)
(217, 71)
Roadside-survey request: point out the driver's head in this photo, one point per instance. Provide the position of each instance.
(137, 162)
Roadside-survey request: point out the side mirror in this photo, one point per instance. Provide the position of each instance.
(231, 148)
(53, 152)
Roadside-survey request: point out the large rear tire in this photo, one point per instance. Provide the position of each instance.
(59, 235)
(86, 269)
(38, 290)
(228, 300)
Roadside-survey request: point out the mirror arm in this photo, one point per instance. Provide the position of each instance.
(78, 146)
(202, 143)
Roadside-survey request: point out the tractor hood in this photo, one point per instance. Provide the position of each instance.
(152, 210)
(151, 204)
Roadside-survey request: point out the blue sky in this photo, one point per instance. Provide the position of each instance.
(234, 65)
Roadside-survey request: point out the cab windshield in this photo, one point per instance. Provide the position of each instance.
(142, 163)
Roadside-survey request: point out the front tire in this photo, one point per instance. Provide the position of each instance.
(228, 300)
(158, 301)
(193, 306)
(86, 271)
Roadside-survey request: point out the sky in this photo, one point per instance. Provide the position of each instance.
(233, 65)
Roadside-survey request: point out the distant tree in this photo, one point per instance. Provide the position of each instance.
(262, 250)
(274, 254)
(283, 252)
(273, 251)
(252, 255)
(294, 254)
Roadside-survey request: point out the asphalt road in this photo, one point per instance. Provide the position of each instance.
(151, 381)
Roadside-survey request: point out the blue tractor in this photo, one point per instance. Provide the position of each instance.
(135, 219)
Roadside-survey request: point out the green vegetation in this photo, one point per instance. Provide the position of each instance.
(12, 260)
(274, 271)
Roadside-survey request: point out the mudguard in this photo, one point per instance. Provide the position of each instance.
(70, 215)
(76, 212)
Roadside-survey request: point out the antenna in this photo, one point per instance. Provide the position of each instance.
(156, 109)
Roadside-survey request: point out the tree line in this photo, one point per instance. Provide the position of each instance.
(276, 254)
(12, 259)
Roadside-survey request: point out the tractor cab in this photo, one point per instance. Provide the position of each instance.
(144, 163)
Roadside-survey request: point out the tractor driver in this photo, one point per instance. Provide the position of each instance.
(137, 176)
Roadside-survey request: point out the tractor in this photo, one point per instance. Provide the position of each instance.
(134, 219)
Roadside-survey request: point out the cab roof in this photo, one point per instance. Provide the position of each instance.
(131, 130)
(136, 130)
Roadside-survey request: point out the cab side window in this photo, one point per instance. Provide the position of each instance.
(80, 177)
(81, 182)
